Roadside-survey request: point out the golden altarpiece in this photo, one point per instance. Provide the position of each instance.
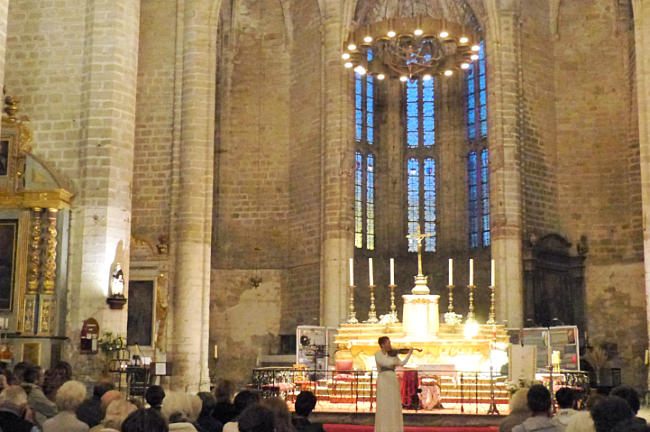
(34, 215)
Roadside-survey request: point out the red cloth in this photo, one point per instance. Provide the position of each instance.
(409, 386)
(360, 428)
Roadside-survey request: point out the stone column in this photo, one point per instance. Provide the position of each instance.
(337, 171)
(101, 211)
(192, 221)
(4, 8)
(503, 142)
(642, 51)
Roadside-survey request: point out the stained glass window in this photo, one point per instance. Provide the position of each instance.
(420, 138)
(358, 201)
(370, 202)
(485, 198)
(364, 106)
(476, 92)
(473, 200)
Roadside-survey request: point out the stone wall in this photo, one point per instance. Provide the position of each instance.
(598, 175)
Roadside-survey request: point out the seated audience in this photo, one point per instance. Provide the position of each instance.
(518, 411)
(305, 404)
(565, 398)
(539, 403)
(631, 425)
(43, 407)
(610, 411)
(91, 411)
(225, 410)
(110, 396)
(281, 414)
(14, 411)
(206, 420)
(177, 410)
(68, 398)
(154, 397)
(116, 412)
(19, 369)
(256, 418)
(55, 377)
(243, 400)
(144, 420)
(629, 395)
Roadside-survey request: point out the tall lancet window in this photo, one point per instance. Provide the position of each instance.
(477, 158)
(364, 185)
(420, 138)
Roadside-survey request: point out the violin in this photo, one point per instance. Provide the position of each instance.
(394, 352)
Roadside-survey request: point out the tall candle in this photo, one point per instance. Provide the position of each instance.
(492, 273)
(392, 271)
(351, 271)
(371, 279)
(471, 271)
(451, 272)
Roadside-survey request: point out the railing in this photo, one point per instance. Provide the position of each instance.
(422, 389)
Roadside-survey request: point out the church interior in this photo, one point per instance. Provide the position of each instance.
(197, 179)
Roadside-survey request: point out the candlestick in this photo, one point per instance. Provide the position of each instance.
(451, 271)
(352, 315)
(372, 314)
(471, 271)
(351, 271)
(450, 307)
(491, 319)
(392, 271)
(393, 309)
(470, 312)
(492, 273)
(371, 279)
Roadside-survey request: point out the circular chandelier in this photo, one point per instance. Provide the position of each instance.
(411, 48)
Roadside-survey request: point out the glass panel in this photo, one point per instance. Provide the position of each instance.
(412, 124)
(429, 138)
(412, 139)
(370, 203)
(411, 91)
(472, 199)
(429, 202)
(358, 201)
(427, 91)
(413, 169)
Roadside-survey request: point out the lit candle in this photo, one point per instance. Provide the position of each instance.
(451, 272)
(471, 271)
(492, 273)
(351, 271)
(371, 279)
(392, 271)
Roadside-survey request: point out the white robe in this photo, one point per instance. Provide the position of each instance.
(388, 412)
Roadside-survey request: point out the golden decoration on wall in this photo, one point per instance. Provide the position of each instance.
(49, 273)
(34, 251)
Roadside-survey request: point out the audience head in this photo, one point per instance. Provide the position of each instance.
(224, 390)
(244, 399)
(101, 387)
(256, 418)
(631, 425)
(610, 411)
(110, 396)
(539, 399)
(13, 397)
(70, 395)
(116, 412)
(19, 370)
(176, 408)
(565, 397)
(281, 414)
(144, 420)
(154, 396)
(628, 394)
(33, 374)
(519, 401)
(55, 377)
(208, 403)
(305, 403)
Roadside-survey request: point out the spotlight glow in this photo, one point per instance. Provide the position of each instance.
(449, 72)
(352, 47)
(474, 57)
(381, 77)
(367, 39)
(426, 77)
(403, 78)
(391, 33)
(418, 32)
(464, 65)
(348, 65)
(463, 40)
(345, 56)
(475, 48)
(360, 70)
(444, 34)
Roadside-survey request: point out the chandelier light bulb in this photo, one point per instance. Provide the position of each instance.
(463, 40)
(352, 47)
(403, 78)
(348, 65)
(426, 77)
(444, 34)
(474, 57)
(367, 39)
(345, 56)
(360, 70)
(391, 33)
(381, 77)
(464, 66)
(418, 32)
(475, 48)
(449, 72)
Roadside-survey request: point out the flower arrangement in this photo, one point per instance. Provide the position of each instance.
(513, 386)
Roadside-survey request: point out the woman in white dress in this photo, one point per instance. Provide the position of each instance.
(388, 414)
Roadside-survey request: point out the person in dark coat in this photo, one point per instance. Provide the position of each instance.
(14, 409)
(305, 404)
(91, 411)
